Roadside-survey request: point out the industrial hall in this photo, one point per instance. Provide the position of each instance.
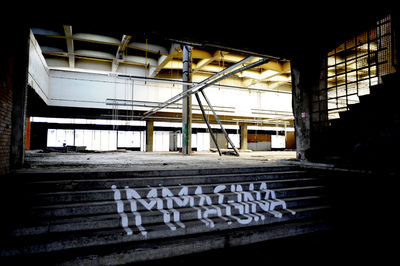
(201, 137)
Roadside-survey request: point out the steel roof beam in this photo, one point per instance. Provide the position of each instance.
(208, 82)
(120, 52)
(196, 87)
(70, 45)
(164, 59)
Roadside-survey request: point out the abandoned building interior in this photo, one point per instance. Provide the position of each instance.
(138, 144)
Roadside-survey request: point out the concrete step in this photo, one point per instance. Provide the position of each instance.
(113, 219)
(134, 252)
(52, 242)
(101, 183)
(108, 194)
(104, 207)
(68, 213)
(32, 175)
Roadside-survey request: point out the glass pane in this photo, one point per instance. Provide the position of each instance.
(331, 60)
(362, 50)
(341, 79)
(385, 19)
(353, 99)
(363, 87)
(332, 104)
(342, 102)
(340, 48)
(350, 54)
(340, 57)
(331, 82)
(362, 61)
(341, 68)
(374, 81)
(331, 71)
(372, 71)
(332, 52)
(332, 93)
(362, 74)
(352, 88)
(384, 29)
(333, 115)
(362, 38)
(351, 76)
(341, 91)
(372, 34)
(351, 65)
(372, 58)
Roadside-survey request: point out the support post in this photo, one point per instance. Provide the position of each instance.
(149, 135)
(208, 124)
(243, 136)
(220, 124)
(306, 80)
(20, 54)
(187, 102)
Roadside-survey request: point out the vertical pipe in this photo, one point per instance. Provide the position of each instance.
(116, 139)
(187, 102)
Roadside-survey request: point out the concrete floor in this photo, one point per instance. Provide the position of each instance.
(130, 160)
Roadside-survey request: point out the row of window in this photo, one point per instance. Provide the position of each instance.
(351, 69)
(106, 140)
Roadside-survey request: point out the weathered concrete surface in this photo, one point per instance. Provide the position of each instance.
(116, 217)
(149, 135)
(20, 54)
(243, 137)
(129, 160)
(305, 80)
(116, 207)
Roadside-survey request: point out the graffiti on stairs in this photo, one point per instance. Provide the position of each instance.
(233, 203)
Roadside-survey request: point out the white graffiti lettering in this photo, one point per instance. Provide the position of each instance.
(242, 203)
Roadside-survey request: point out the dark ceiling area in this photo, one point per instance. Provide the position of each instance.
(282, 34)
(281, 30)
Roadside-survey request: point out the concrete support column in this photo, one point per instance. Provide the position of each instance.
(306, 75)
(19, 50)
(243, 136)
(149, 135)
(187, 102)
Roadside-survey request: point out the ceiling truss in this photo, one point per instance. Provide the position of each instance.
(206, 62)
(160, 61)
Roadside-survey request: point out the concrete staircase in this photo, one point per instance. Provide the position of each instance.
(366, 135)
(129, 216)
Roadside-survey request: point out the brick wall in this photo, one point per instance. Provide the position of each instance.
(5, 112)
